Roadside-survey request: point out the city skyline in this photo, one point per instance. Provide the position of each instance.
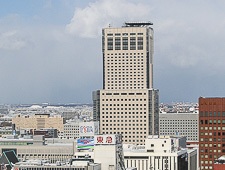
(50, 50)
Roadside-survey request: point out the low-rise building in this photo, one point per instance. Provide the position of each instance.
(76, 129)
(34, 147)
(71, 129)
(74, 164)
(182, 124)
(161, 152)
(38, 121)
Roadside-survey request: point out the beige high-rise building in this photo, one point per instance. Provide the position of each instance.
(127, 104)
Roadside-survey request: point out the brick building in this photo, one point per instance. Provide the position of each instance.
(211, 131)
(219, 164)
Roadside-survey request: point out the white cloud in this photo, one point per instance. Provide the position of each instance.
(89, 21)
(11, 41)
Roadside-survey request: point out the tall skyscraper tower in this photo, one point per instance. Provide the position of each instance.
(211, 131)
(127, 104)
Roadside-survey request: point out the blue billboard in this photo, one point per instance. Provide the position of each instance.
(85, 144)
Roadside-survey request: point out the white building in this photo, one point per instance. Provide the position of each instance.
(164, 152)
(88, 129)
(158, 153)
(71, 130)
(34, 147)
(108, 151)
(183, 124)
(161, 153)
(78, 129)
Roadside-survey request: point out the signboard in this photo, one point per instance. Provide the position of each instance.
(108, 139)
(85, 144)
(88, 129)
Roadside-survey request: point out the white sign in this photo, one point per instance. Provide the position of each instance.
(107, 139)
(88, 128)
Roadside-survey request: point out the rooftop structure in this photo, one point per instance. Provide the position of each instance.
(219, 164)
(159, 152)
(74, 164)
(8, 159)
(138, 24)
(35, 148)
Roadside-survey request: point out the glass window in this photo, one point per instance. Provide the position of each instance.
(133, 43)
(125, 43)
(110, 43)
(223, 114)
(117, 43)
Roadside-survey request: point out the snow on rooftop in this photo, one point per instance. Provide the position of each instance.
(35, 107)
(222, 158)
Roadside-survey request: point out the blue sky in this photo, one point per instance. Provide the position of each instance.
(50, 50)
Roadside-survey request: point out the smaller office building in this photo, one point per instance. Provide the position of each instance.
(38, 121)
(161, 152)
(182, 124)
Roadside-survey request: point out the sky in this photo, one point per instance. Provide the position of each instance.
(50, 50)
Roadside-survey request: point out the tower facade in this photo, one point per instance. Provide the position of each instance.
(127, 104)
(211, 131)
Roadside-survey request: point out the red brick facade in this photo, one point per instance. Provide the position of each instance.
(219, 167)
(211, 131)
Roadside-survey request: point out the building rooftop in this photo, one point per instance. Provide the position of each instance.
(43, 163)
(138, 24)
(220, 160)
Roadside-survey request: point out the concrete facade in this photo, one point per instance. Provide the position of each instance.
(30, 149)
(79, 129)
(183, 124)
(159, 152)
(108, 152)
(79, 164)
(71, 130)
(163, 152)
(38, 121)
(127, 104)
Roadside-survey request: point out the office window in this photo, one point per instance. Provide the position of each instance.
(133, 43)
(125, 43)
(110, 43)
(117, 43)
(140, 43)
